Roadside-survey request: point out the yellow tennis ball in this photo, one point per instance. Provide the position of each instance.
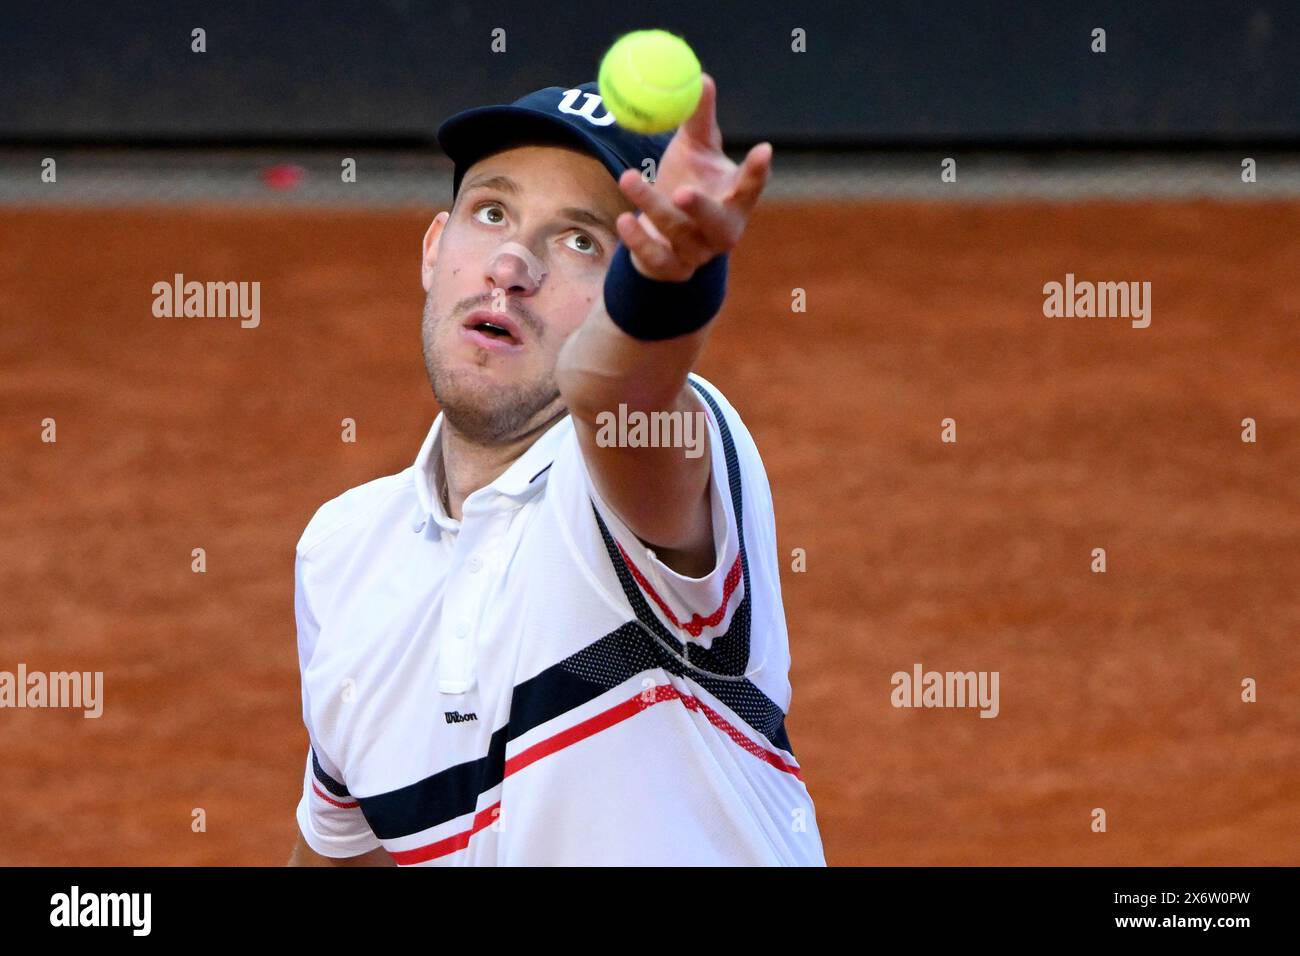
(650, 80)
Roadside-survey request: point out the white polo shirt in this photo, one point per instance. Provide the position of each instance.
(530, 685)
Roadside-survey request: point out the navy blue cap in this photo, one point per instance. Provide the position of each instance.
(564, 115)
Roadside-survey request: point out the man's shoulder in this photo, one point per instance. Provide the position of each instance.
(703, 384)
(742, 441)
(353, 507)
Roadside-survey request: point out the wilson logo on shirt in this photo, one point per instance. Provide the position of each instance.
(456, 717)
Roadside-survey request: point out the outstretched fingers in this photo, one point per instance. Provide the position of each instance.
(651, 256)
(718, 225)
(702, 125)
(751, 178)
(674, 224)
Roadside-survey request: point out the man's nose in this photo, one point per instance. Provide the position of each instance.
(514, 267)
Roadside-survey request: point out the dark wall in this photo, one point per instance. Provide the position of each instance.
(888, 71)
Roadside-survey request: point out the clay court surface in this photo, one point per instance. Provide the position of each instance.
(1118, 690)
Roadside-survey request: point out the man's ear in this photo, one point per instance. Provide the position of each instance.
(430, 248)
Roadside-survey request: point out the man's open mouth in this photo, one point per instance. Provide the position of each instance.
(493, 331)
(497, 327)
(496, 331)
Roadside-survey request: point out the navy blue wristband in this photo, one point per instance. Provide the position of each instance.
(651, 310)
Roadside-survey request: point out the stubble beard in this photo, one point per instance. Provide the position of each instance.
(485, 414)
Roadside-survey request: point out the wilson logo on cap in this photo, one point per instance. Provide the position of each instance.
(590, 103)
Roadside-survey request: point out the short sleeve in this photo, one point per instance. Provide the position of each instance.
(329, 817)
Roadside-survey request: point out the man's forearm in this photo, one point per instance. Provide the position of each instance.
(601, 366)
(640, 340)
(660, 492)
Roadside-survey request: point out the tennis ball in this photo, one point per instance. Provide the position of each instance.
(650, 80)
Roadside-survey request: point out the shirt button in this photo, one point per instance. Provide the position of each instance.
(462, 631)
(475, 564)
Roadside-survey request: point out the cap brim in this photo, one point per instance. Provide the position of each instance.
(473, 134)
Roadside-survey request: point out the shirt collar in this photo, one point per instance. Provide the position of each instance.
(525, 476)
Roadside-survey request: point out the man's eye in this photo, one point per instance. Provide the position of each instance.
(589, 247)
(490, 206)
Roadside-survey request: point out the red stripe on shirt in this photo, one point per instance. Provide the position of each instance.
(589, 728)
(331, 801)
(457, 841)
(697, 623)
